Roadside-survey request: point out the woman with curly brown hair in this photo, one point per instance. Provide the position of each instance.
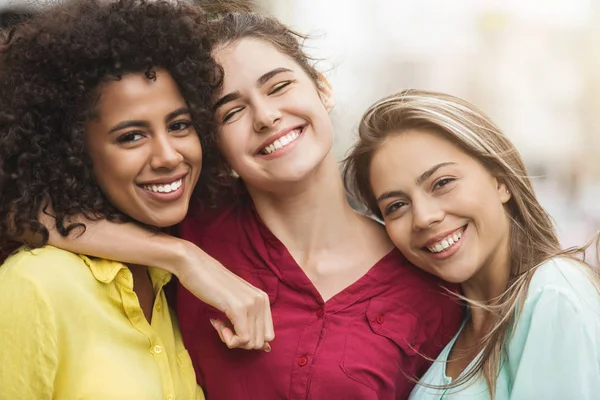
(101, 109)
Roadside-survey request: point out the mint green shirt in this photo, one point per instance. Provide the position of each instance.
(554, 352)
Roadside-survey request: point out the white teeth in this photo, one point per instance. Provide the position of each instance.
(282, 141)
(445, 243)
(166, 188)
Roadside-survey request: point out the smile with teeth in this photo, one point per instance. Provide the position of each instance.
(164, 188)
(282, 141)
(445, 243)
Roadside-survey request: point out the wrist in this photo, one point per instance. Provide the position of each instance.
(182, 257)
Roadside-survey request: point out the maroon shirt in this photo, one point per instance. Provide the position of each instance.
(366, 342)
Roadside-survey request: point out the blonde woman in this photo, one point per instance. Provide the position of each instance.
(456, 200)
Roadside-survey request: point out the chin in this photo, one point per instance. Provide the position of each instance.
(165, 221)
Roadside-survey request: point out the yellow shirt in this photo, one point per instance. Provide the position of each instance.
(71, 327)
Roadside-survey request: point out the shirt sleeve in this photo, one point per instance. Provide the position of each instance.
(28, 354)
(559, 358)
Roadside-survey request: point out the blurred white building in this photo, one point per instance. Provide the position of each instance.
(533, 66)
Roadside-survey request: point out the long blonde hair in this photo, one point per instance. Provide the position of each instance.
(532, 236)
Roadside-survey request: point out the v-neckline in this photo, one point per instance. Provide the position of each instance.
(448, 380)
(290, 272)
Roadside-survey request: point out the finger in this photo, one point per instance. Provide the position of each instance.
(239, 336)
(227, 334)
(269, 330)
(218, 325)
(259, 324)
(253, 334)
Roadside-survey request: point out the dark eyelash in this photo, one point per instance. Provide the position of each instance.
(280, 86)
(443, 182)
(389, 209)
(186, 124)
(229, 115)
(127, 137)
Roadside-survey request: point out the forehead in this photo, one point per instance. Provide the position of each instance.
(135, 94)
(408, 154)
(245, 60)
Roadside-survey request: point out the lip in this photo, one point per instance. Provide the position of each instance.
(442, 235)
(278, 135)
(449, 252)
(165, 197)
(164, 180)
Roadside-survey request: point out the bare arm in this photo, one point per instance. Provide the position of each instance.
(246, 307)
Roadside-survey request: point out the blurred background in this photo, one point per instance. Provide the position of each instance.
(533, 66)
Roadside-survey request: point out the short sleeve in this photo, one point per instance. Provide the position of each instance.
(558, 350)
(28, 354)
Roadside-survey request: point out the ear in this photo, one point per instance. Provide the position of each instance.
(503, 193)
(326, 92)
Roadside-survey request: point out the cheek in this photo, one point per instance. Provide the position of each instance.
(192, 151)
(115, 173)
(233, 150)
(399, 234)
(486, 209)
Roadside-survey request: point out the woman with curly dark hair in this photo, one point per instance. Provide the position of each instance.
(102, 106)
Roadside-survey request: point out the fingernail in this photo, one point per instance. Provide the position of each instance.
(212, 322)
(267, 347)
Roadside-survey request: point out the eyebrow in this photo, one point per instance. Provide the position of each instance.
(145, 124)
(419, 181)
(259, 83)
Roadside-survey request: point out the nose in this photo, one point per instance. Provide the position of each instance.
(266, 115)
(426, 213)
(165, 154)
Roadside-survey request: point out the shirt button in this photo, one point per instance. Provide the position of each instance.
(302, 361)
(158, 308)
(320, 312)
(170, 397)
(157, 349)
(379, 319)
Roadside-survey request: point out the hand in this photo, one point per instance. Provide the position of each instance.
(246, 307)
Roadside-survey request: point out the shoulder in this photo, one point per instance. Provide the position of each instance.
(567, 279)
(437, 311)
(211, 221)
(47, 268)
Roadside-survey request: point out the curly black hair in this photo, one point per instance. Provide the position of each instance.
(51, 70)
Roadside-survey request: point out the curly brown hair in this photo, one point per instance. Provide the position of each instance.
(51, 70)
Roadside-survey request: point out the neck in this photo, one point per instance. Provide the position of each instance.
(309, 215)
(488, 284)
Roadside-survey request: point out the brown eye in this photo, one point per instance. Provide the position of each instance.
(395, 206)
(180, 125)
(130, 137)
(443, 182)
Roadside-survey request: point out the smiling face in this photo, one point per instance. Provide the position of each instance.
(441, 207)
(145, 152)
(274, 125)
